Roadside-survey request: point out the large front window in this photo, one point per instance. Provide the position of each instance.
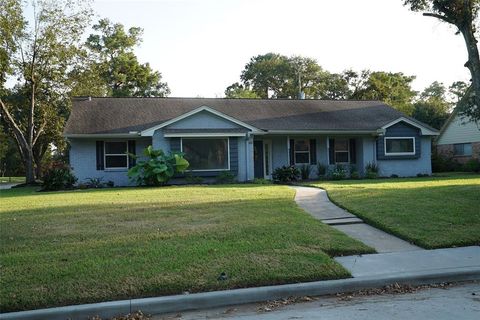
(462, 149)
(116, 156)
(302, 151)
(399, 146)
(206, 154)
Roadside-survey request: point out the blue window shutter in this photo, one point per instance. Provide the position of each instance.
(353, 151)
(100, 155)
(292, 152)
(331, 151)
(313, 151)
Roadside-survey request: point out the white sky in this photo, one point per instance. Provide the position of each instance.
(201, 46)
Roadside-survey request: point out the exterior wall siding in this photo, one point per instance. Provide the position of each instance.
(409, 167)
(203, 119)
(83, 161)
(459, 131)
(400, 129)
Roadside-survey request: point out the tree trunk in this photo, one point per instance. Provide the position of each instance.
(38, 153)
(473, 63)
(29, 167)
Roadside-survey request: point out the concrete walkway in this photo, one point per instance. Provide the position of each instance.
(450, 259)
(5, 186)
(315, 201)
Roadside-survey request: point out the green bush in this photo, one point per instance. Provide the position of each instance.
(371, 170)
(321, 170)
(58, 176)
(472, 165)
(261, 181)
(339, 172)
(192, 179)
(445, 163)
(305, 171)
(158, 169)
(285, 174)
(225, 177)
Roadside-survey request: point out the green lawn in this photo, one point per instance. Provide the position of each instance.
(432, 212)
(83, 246)
(6, 180)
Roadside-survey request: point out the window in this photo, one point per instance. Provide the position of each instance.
(116, 156)
(206, 154)
(341, 151)
(462, 149)
(302, 151)
(399, 146)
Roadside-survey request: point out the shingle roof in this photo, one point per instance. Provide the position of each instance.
(123, 115)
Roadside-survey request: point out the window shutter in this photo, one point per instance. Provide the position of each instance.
(313, 151)
(100, 155)
(175, 145)
(131, 149)
(353, 151)
(331, 151)
(292, 152)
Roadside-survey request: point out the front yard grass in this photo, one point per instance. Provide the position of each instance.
(8, 180)
(432, 212)
(60, 248)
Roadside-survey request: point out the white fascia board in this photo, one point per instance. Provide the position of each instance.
(150, 131)
(202, 135)
(425, 131)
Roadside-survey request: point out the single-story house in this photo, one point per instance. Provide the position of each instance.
(246, 137)
(459, 139)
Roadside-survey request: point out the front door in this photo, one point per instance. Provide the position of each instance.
(258, 159)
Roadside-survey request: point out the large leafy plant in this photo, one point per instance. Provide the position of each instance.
(158, 168)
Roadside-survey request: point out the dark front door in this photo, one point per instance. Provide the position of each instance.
(258, 159)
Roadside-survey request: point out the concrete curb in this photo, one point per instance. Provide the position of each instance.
(177, 303)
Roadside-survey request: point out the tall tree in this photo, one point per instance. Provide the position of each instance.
(40, 57)
(432, 106)
(463, 14)
(238, 90)
(114, 67)
(392, 88)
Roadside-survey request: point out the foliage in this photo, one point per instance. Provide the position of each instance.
(58, 176)
(305, 171)
(158, 169)
(354, 174)
(112, 64)
(192, 179)
(321, 169)
(261, 181)
(39, 55)
(371, 170)
(240, 91)
(444, 163)
(225, 177)
(392, 88)
(339, 172)
(97, 183)
(472, 165)
(285, 174)
(463, 14)
(432, 108)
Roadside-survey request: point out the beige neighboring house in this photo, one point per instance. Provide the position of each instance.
(459, 138)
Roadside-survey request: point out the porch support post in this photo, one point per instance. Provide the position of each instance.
(288, 150)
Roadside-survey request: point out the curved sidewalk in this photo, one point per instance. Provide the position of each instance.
(315, 201)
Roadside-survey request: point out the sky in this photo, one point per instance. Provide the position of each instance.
(201, 46)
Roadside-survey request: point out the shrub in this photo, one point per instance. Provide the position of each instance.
(58, 176)
(305, 171)
(285, 174)
(339, 172)
(158, 169)
(321, 170)
(371, 170)
(472, 165)
(191, 179)
(261, 181)
(394, 176)
(225, 177)
(354, 174)
(95, 183)
(444, 163)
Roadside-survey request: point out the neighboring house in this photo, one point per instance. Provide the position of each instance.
(459, 138)
(247, 137)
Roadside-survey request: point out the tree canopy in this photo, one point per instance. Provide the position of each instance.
(463, 14)
(112, 66)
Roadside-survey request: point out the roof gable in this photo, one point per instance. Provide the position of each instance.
(229, 122)
(425, 130)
